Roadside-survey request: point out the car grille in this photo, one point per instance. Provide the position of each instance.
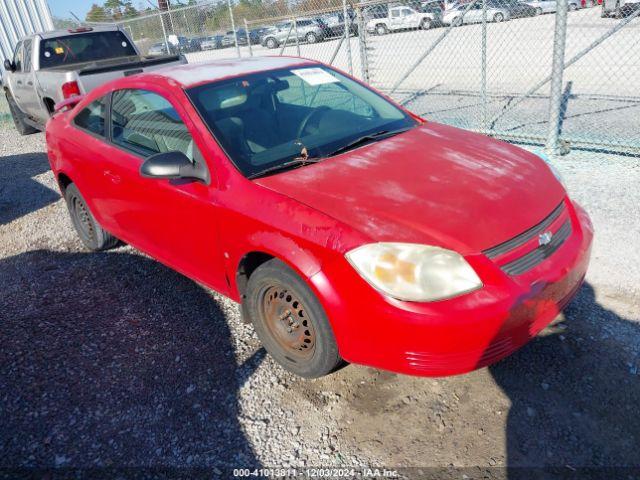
(534, 257)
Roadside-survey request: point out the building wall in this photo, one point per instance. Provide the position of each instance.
(21, 17)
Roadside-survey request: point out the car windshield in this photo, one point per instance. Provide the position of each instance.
(84, 47)
(266, 119)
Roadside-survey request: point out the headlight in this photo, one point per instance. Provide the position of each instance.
(412, 272)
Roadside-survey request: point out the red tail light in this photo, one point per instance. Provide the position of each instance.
(70, 89)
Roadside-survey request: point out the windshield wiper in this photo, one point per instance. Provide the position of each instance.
(296, 162)
(371, 137)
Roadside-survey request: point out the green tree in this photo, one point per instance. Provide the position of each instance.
(96, 14)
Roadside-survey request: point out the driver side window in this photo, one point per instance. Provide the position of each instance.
(17, 57)
(145, 123)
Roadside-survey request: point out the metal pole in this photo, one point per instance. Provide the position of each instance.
(362, 43)
(557, 70)
(173, 27)
(246, 30)
(286, 40)
(347, 34)
(233, 27)
(295, 26)
(336, 50)
(483, 86)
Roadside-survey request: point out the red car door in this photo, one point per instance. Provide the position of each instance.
(174, 221)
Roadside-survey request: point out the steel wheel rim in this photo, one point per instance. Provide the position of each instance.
(83, 218)
(287, 322)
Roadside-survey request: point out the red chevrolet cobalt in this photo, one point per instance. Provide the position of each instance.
(347, 227)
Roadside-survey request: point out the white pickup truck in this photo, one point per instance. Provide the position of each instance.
(50, 67)
(402, 18)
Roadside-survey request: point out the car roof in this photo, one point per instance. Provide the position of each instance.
(191, 74)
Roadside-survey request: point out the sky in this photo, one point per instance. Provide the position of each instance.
(61, 8)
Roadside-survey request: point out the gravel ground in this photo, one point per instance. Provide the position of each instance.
(113, 360)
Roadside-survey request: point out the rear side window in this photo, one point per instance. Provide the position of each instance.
(93, 117)
(146, 123)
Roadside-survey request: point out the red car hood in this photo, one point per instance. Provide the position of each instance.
(434, 185)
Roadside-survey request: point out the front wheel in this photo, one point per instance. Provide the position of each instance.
(90, 232)
(498, 17)
(425, 24)
(381, 29)
(311, 37)
(271, 43)
(290, 321)
(18, 116)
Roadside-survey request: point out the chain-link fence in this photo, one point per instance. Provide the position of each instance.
(559, 73)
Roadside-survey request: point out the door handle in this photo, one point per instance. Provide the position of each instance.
(112, 176)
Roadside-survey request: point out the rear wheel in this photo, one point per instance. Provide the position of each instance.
(311, 37)
(425, 24)
(18, 117)
(90, 232)
(573, 7)
(381, 29)
(290, 321)
(538, 11)
(498, 17)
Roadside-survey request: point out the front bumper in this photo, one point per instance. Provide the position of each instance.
(460, 334)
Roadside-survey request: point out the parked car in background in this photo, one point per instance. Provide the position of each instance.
(619, 8)
(310, 30)
(213, 42)
(345, 226)
(456, 15)
(158, 49)
(549, 6)
(50, 67)
(335, 24)
(229, 38)
(516, 8)
(402, 18)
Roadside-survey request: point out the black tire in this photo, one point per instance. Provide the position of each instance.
(425, 24)
(381, 29)
(283, 309)
(18, 117)
(271, 43)
(311, 37)
(90, 232)
(572, 7)
(498, 17)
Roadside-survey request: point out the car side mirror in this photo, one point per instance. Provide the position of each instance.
(174, 165)
(9, 66)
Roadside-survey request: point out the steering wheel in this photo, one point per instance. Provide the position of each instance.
(307, 119)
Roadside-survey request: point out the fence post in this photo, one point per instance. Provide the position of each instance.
(295, 28)
(557, 69)
(362, 43)
(246, 30)
(233, 27)
(483, 81)
(347, 34)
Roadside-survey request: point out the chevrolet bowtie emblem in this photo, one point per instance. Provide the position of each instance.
(545, 238)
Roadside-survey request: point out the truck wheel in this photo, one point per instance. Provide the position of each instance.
(93, 236)
(272, 43)
(18, 117)
(425, 24)
(290, 321)
(381, 29)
